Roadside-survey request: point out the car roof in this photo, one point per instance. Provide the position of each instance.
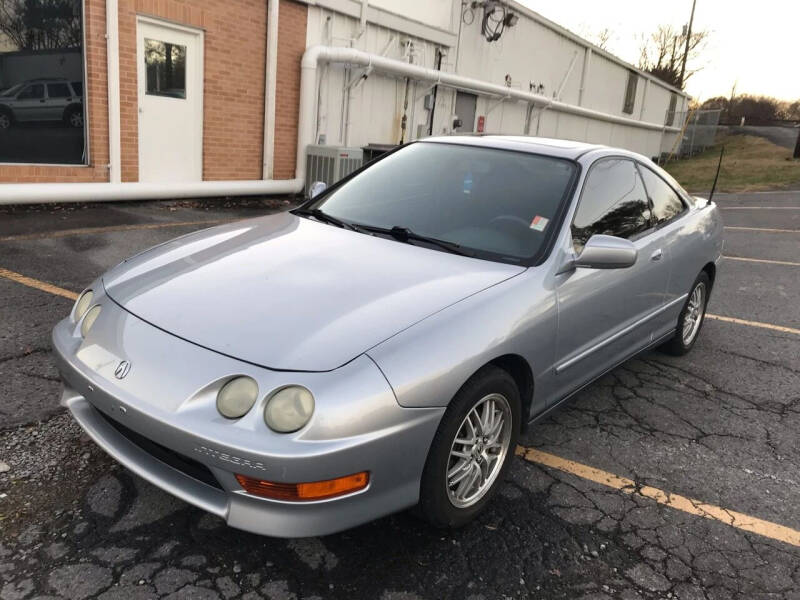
(535, 145)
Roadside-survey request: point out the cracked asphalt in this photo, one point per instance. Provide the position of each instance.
(719, 426)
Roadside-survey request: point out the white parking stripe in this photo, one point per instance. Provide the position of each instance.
(759, 207)
(763, 260)
(765, 229)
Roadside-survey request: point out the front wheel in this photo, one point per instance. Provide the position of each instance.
(5, 119)
(472, 449)
(691, 318)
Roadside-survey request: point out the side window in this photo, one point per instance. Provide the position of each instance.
(58, 90)
(613, 202)
(32, 92)
(666, 203)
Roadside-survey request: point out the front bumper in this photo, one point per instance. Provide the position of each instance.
(164, 410)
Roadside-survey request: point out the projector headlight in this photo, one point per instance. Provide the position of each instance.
(82, 305)
(89, 319)
(289, 409)
(237, 397)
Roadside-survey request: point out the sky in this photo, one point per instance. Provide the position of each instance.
(752, 44)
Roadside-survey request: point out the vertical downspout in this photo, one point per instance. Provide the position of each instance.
(112, 72)
(587, 61)
(270, 85)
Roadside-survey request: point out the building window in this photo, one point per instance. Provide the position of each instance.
(630, 92)
(42, 114)
(673, 102)
(165, 65)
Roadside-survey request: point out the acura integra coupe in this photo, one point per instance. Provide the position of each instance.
(381, 346)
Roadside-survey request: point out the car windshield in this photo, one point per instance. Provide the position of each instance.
(497, 204)
(12, 90)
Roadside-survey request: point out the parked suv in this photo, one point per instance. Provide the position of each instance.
(42, 100)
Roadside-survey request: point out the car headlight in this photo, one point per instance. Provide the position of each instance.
(89, 319)
(237, 397)
(82, 304)
(289, 409)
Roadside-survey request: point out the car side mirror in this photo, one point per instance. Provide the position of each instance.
(607, 252)
(316, 189)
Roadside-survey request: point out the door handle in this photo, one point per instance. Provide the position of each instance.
(656, 255)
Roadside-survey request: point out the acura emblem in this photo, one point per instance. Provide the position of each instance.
(122, 369)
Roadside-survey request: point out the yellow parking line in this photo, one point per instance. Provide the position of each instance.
(108, 229)
(759, 324)
(766, 229)
(39, 285)
(739, 520)
(764, 260)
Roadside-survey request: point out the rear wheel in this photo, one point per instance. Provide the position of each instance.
(74, 117)
(471, 451)
(691, 318)
(5, 119)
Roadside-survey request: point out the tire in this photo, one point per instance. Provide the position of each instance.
(490, 391)
(74, 117)
(6, 119)
(691, 318)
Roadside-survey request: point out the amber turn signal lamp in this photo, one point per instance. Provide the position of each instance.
(316, 490)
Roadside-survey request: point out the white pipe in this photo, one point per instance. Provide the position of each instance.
(34, 193)
(112, 54)
(270, 85)
(26, 193)
(363, 25)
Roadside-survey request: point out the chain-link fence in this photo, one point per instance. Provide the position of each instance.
(700, 129)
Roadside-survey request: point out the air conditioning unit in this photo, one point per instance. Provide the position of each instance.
(331, 163)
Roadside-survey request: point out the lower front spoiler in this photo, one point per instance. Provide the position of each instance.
(238, 509)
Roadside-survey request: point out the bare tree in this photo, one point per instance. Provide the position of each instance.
(662, 53)
(602, 37)
(41, 24)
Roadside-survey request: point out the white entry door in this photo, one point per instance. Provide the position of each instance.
(170, 78)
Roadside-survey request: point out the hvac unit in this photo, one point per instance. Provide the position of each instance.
(331, 163)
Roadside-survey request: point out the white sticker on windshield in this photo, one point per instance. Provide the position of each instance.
(539, 223)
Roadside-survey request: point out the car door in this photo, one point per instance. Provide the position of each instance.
(59, 96)
(30, 103)
(604, 314)
(668, 208)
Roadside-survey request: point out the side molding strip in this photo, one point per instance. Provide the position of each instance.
(612, 338)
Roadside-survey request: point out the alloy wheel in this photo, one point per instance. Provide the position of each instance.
(478, 450)
(694, 313)
(5, 121)
(76, 119)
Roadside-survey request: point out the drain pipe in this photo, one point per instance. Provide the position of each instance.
(270, 84)
(29, 193)
(112, 73)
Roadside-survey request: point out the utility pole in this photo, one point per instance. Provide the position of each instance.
(686, 48)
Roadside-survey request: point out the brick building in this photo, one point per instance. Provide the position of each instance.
(187, 91)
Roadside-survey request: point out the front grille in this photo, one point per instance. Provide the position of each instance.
(177, 461)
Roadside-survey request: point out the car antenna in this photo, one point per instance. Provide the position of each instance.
(716, 177)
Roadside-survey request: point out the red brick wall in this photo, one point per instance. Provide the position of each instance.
(291, 46)
(97, 106)
(233, 103)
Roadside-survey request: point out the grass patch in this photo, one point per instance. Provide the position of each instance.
(751, 164)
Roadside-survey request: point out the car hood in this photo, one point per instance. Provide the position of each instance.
(288, 293)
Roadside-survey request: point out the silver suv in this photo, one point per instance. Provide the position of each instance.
(42, 100)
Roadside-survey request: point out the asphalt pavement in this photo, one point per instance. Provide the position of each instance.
(782, 135)
(668, 478)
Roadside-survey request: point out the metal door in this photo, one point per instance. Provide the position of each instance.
(465, 111)
(170, 74)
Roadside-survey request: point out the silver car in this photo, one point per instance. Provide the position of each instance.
(381, 346)
(42, 100)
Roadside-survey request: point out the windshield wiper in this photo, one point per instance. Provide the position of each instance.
(323, 216)
(404, 234)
